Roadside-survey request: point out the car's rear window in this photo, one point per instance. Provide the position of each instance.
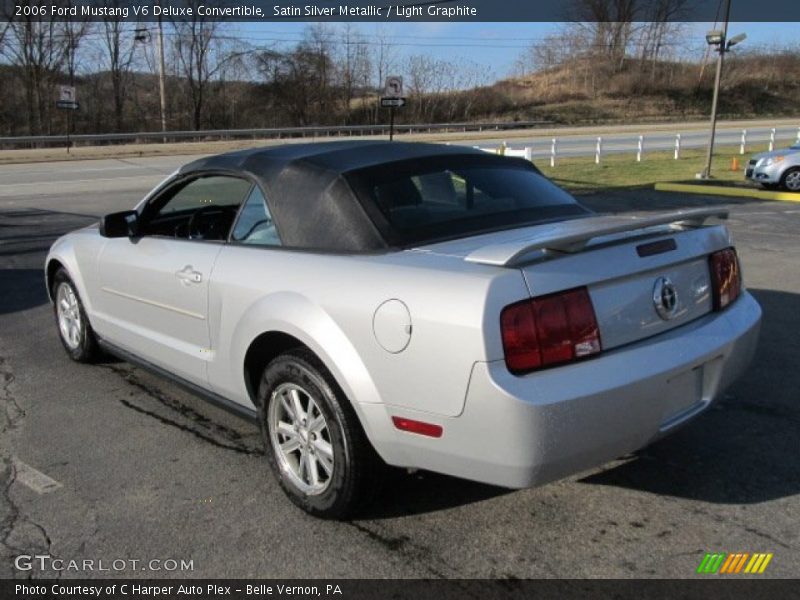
(427, 202)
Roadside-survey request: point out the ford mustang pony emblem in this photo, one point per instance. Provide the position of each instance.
(665, 298)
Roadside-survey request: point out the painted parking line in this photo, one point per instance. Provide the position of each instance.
(719, 190)
(34, 479)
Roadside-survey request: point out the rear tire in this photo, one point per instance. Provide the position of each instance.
(313, 439)
(74, 329)
(791, 180)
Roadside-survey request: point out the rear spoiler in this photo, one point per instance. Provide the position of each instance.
(572, 236)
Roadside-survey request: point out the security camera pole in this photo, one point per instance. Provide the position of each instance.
(719, 39)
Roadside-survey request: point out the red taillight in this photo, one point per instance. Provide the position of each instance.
(420, 427)
(726, 279)
(549, 330)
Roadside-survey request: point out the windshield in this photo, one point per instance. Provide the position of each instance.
(795, 146)
(426, 202)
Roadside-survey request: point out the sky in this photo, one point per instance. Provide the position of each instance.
(497, 45)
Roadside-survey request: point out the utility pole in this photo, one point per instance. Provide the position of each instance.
(161, 84)
(706, 174)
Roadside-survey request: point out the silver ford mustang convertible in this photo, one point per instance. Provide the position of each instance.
(425, 306)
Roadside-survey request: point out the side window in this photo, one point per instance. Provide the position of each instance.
(203, 209)
(255, 225)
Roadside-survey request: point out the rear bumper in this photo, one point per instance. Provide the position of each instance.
(523, 431)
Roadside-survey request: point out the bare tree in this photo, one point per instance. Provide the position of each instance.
(661, 30)
(354, 65)
(4, 26)
(299, 81)
(384, 59)
(201, 51)
(193, 50)
(38, 49)
(609, 25)
(117, 56)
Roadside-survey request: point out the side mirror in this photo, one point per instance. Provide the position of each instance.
(119, 224)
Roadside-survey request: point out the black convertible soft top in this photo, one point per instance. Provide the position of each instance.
(315, 191)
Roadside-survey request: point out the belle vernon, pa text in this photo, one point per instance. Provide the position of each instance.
(135, 589)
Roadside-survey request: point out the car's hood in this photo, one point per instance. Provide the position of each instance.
(781, 152)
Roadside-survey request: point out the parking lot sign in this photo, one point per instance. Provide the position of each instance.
(394, 87)
(66, 93)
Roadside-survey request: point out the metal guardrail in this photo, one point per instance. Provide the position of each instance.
(268, 133)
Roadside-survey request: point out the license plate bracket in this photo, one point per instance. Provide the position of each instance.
(684, 394)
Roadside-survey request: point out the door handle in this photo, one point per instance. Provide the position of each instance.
(188, 275)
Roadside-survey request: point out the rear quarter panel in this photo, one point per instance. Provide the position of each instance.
(329, 301)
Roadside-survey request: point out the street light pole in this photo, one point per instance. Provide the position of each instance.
(722, 49)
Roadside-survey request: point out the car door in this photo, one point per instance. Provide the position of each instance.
(243, 275)
(153, 297)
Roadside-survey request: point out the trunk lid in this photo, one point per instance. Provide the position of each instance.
(644, 275)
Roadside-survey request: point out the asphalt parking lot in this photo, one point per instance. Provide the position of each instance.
(139, 470)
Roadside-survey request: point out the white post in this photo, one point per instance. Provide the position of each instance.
(528, 153)
(772, 140)
(640, 149)
(502, 149)
(598, 151)
(798, 134)
(677, 146)
(553, 153)
(744, 141)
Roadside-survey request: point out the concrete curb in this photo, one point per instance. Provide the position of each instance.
(720, 190)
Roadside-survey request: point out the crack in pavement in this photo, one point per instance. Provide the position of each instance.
(407, 548)
(14, 521)
(699, 510)
(12, 410)
(232, 439)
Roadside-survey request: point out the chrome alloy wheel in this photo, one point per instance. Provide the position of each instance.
(793, 181)
(300, 438)
(68, 310)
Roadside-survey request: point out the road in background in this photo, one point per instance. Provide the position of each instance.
(123, 181)
(145, 471)
(572, 141)
(89, 187)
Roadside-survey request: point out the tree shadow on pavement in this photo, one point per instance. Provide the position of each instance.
(22, 289)
(25, 237)
(647, 199)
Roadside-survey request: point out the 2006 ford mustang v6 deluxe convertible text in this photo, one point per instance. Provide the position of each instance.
(426, 306)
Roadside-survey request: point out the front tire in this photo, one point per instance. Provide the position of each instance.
(314, 442)
(74, 329)
(791, 180)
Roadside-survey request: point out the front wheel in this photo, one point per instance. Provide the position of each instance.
(74, 329)
(791, 180)
(314, 442)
